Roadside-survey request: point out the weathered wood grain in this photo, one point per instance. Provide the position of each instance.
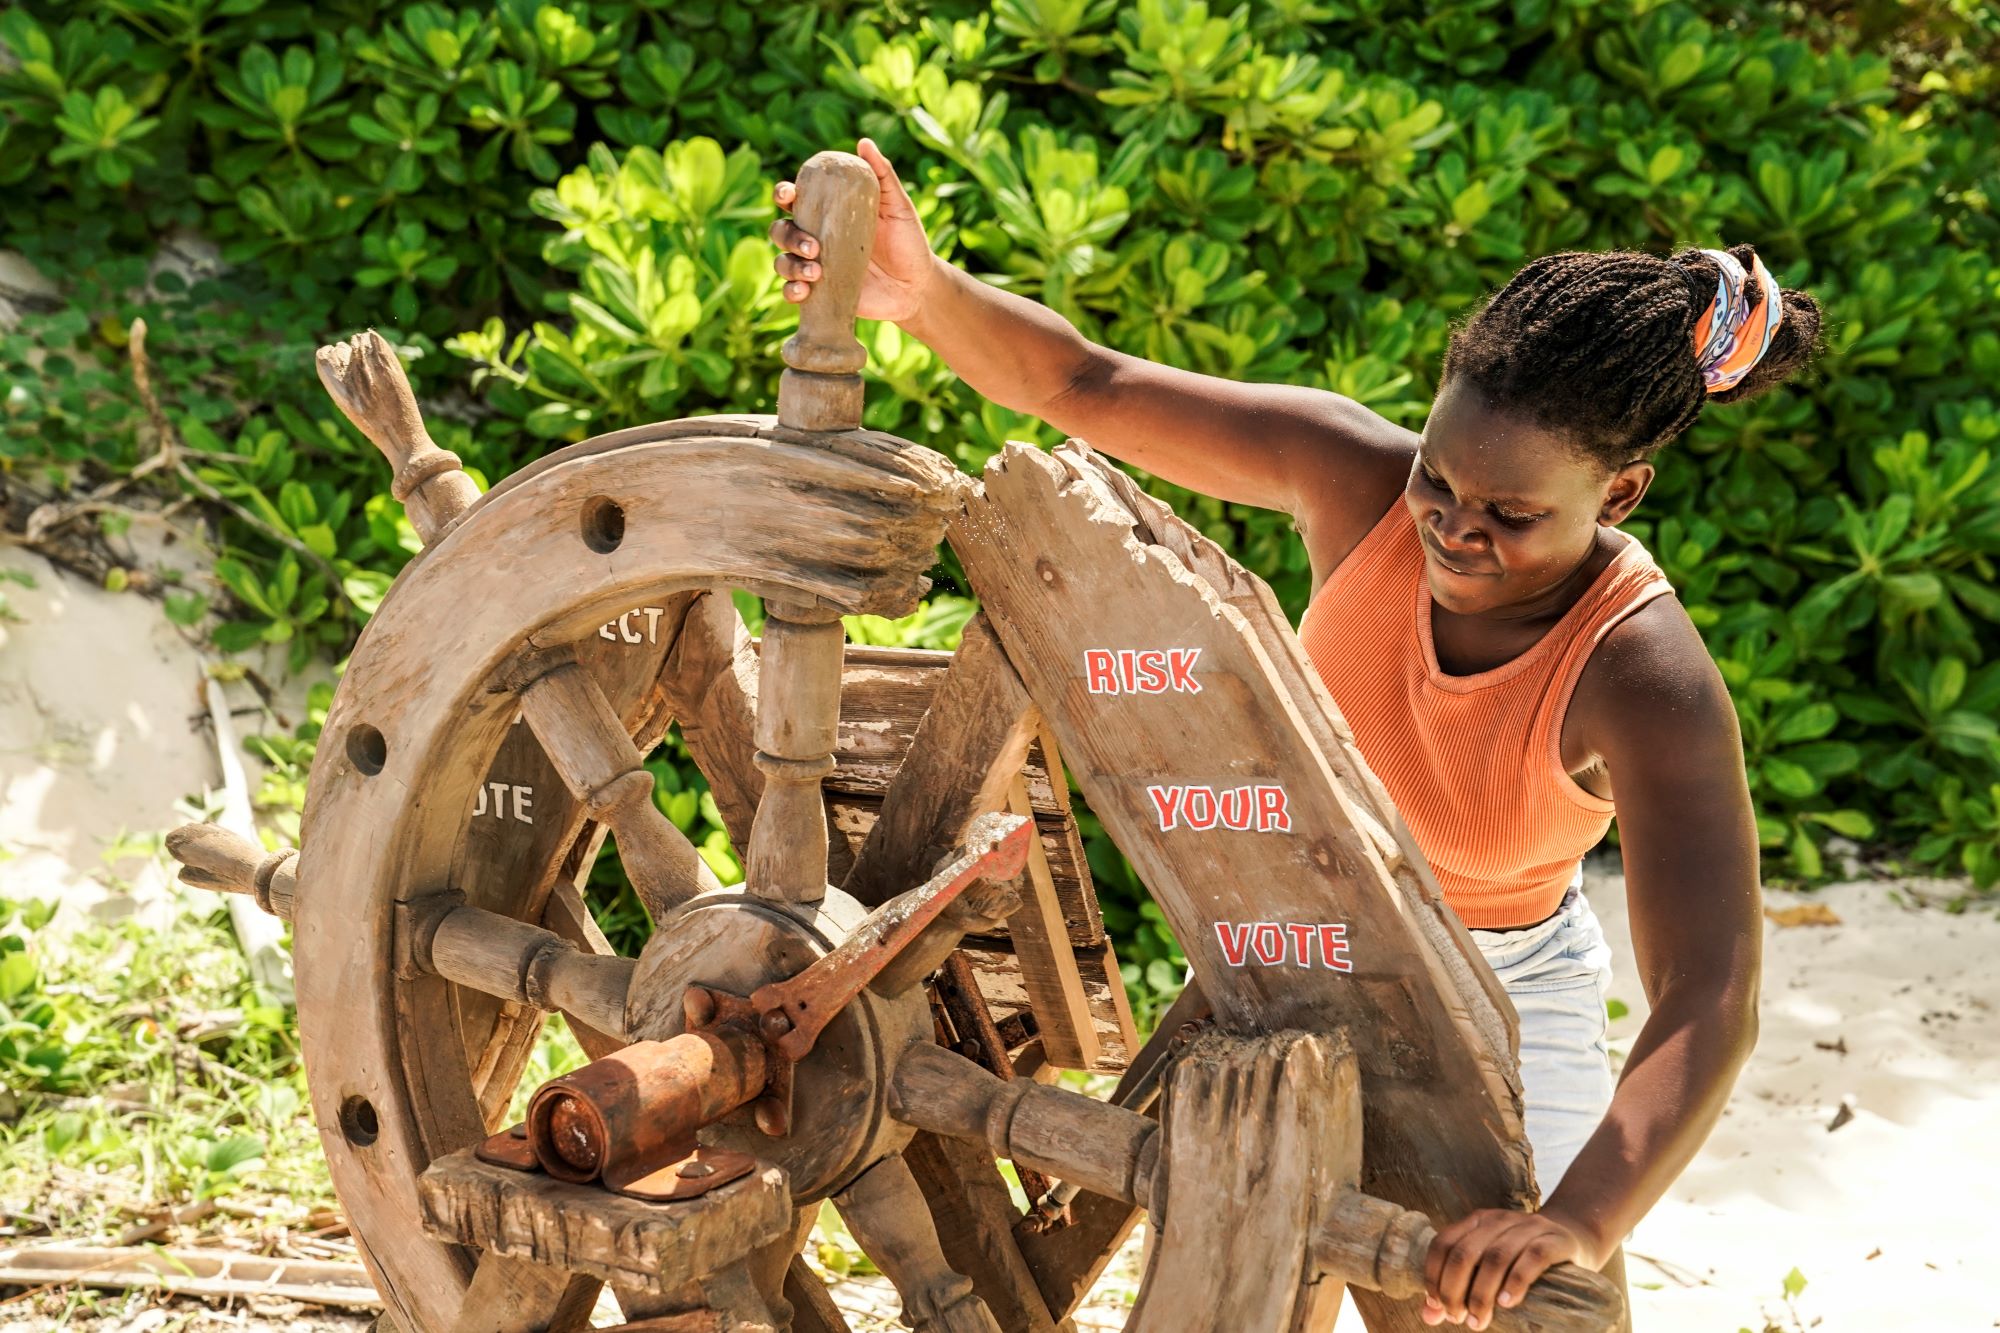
(510, 1295)
(1049, 971)
(966, 750)
(650, 1247)
(798, 715)
(1227, 1253)
(1443, 1110)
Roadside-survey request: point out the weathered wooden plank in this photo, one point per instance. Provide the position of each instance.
(1062, 570)
(813, 1310)
(1005, 990)
(1049, 973)
(968, 746)
(1227, 1253)
(884, 693)
(853, 816)
(649, 1247)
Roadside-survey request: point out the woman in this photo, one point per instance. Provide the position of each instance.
(1514, 668)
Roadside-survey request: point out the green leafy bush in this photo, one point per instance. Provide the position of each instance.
(564, 204)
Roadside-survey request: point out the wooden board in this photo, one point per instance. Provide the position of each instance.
(1442, 1096)
(650, 1247)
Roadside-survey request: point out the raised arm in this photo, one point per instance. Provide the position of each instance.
(1322, 457)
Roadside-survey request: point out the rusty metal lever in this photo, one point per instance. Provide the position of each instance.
(792, 1013)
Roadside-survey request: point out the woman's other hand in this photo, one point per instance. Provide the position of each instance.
(1490, 1257)
(899, 268)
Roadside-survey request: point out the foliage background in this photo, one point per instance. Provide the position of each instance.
(558, 211)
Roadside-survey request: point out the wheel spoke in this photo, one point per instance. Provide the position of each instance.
(598, 762)
(890, 1220)
(711, 689)
(515, 961)
(798, 722)
(568, 917)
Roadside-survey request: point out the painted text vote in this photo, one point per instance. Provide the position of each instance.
(1140, 670)
(1260, 806)
(1288, 944)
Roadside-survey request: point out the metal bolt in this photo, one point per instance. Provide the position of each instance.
(698, 1007)
(696, 1170)
(771, 1117)
(774, 1024)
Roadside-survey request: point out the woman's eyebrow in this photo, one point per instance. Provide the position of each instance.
(1505, 501)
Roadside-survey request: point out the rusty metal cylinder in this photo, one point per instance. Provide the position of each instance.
(621, 1117)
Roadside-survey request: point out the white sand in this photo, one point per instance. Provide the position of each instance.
(1891, 1217)
(103, 730)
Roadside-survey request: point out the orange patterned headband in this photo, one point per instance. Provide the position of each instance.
(1730, 338)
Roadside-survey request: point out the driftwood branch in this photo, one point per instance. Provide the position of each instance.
(189, 1272)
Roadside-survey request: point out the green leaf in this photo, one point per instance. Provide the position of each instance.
(1808, 723)
(1788, 779)
(1947, 683)
(17, 976)
(1849, 823)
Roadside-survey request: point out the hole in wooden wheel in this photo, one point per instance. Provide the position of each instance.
(358, 1122)
(367, 749)
(603, 524)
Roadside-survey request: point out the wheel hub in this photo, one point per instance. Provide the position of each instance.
(735, 943)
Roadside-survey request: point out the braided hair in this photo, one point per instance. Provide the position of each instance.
(1599, 346)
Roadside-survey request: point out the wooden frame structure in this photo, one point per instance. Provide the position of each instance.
(490, 732)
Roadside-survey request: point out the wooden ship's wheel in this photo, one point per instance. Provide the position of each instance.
(875, 1012)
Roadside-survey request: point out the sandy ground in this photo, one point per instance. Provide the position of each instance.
(1890, 1014)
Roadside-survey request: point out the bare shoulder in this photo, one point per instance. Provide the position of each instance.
(1651, 693)
(1360, 467)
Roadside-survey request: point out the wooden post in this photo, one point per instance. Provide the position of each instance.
(799, 679)
(798, 720)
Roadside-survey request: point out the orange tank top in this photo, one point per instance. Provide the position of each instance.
(1473, 763)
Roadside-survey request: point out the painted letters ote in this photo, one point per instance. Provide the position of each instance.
(1291, 944)
(1261, 807)
(523, 799)
(1140, 671)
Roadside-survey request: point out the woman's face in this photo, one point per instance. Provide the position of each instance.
(1506, 510)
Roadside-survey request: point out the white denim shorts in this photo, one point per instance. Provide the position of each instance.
(1558, 974)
